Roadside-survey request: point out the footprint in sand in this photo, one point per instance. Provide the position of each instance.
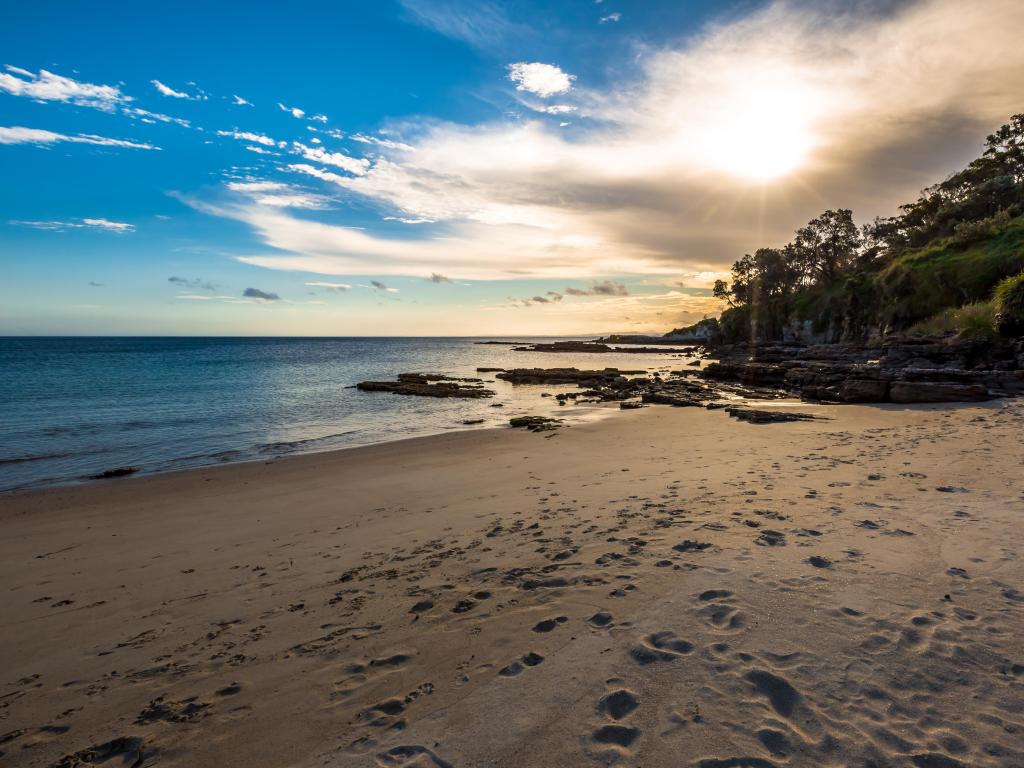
(770, 538)
(128, 749)
(530, 659)
(549, 624)
(661, 646)
(618, 704)
(611, 742)
(412, 756)
(719, 612)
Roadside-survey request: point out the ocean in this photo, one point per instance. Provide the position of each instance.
(76, 407)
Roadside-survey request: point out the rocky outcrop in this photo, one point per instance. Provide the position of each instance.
(428, 385)
(534, 423)
(591, 347)
(900, 371)
(755, 416)
(582, 377)
(936, 392)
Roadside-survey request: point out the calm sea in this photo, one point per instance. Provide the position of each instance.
(74, 407)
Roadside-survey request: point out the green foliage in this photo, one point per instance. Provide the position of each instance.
(1008, 300)
(735, 324)
(975, 321)
(923, 281)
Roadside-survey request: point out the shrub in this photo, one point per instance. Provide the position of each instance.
(1008, 299)
(971, 321)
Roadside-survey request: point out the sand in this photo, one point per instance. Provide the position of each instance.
(667, 587)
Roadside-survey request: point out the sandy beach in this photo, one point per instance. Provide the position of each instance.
(667, 587)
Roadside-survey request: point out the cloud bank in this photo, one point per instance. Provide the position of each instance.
(703, 152)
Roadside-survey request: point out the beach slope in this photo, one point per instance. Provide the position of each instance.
(669, 587)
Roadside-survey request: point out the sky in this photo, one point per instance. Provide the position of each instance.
(460, 167)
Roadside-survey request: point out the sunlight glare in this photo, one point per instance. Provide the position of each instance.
(761, 131)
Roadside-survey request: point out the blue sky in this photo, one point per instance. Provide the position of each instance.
(449, 167)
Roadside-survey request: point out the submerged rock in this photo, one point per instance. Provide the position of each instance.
(107, 474)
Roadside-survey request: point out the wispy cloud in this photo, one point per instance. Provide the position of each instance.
(293, 111)
(388, 143)
(603, 288)
(155, 117)
(278, 194)
(543, 80)
(330, 286)
(611, 17)
(353, 165)
(406, 220)
(207, 297)
(166, 90)
(238, 101)
(118, 227)
(47, 86)
(38, 136)
(192, 283)
(378, 285)
(255, 138)
(256, 293)
(480, 23)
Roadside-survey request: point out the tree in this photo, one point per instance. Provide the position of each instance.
(828, 246)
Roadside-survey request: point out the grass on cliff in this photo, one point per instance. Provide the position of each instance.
(947, 274)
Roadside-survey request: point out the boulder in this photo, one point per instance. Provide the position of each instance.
(534, 423)
(936, 392)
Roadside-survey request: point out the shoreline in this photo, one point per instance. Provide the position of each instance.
(593, 413)
(389, 598)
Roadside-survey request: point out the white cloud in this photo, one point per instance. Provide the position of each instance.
(38, 136)
(256, 138)
(555, 109)
(293, 111)
(204, 297)
(319, 118)
(240, 102)
(148, 117)
(330, 286)
(611, 17)
(544, 80)
(106, 225)
(354, 165)
(46, 86)
(260, 150)
(278, 195)
(387, 143)
(168, 91)
(409, 221)
(318, 173)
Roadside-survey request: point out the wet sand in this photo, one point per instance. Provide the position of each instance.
(665, 588)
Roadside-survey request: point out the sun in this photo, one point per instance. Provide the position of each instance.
(760, 131)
